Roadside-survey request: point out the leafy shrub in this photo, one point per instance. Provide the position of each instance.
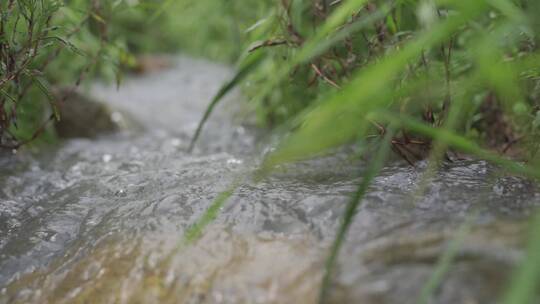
(51, 43)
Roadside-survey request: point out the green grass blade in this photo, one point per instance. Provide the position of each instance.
(250, 63)
(445, 262)
(350, 211)
(524, 286)
(196, 230)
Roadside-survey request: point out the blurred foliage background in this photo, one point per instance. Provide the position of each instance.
(309, 50)
(298, 59)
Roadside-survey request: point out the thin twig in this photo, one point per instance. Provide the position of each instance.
(324, 77)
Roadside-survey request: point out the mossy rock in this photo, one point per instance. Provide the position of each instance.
(82, 116)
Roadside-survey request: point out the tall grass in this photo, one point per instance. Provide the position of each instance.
(50, 43)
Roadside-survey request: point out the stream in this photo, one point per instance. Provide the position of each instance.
(102, 221)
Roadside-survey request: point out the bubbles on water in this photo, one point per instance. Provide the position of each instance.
(234, 162)
(176, 142)
(117, 117)
(121, 193)
(239, 131)
(35, 211)
(106, 158)
(13, 223)
(479, 167)
(46, 235)
(76, 168)
(10, 208)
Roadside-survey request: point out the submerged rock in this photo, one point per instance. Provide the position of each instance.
(82, 116)
(395, 268)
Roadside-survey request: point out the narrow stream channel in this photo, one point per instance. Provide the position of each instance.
(102, 221)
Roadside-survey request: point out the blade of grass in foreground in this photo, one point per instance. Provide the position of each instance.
(350, 211)
(524, 286)
(196, 230)
(251, 62)
(445, 261)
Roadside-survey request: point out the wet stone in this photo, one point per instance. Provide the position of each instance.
(83, 116)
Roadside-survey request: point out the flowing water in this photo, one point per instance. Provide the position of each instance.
(103, 221)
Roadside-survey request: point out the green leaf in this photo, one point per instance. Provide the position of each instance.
(247, 65)
(445, 262)
(350, 211)
(524, 287)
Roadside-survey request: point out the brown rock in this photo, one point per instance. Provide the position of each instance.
(81, 116)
